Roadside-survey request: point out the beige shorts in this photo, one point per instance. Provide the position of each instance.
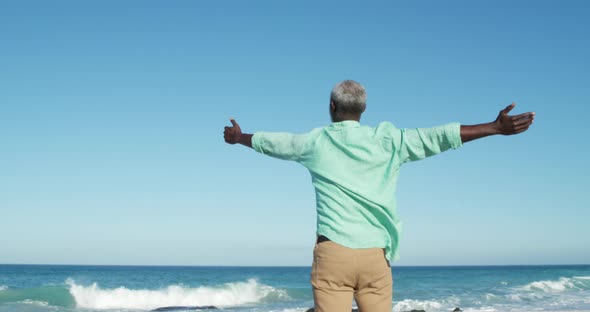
(339, 274)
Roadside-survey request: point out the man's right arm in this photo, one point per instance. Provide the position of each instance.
(504, 124)
(280, 145)
(233, 135)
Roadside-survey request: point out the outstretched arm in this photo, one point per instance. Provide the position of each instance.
(280, 145)
(233, 135)
(504, 124)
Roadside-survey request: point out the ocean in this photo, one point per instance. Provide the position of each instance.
(43, 288)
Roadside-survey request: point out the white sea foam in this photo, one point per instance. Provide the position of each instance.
(3, 287)
(427, 305)
(35, 302)
(561, 285)
(490, 296)
(230, 294)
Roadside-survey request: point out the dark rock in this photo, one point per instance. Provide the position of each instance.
(179, 308)
(457, 310)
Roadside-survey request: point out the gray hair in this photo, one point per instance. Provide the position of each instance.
(349, 96)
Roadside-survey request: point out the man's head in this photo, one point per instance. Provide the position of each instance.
(348, 101)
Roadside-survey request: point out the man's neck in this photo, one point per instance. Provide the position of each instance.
(346, 117)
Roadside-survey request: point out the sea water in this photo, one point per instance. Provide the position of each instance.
(44, 288)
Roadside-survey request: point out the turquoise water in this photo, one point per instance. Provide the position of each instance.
(42, 288)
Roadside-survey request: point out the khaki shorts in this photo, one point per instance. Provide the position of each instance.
(339, 274)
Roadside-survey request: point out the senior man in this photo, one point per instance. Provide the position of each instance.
(354, 171)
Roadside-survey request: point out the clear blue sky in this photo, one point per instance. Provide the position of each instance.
(112, 112)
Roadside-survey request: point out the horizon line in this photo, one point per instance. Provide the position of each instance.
(280, 266)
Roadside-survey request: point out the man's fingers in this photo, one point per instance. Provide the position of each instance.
(233, 122)
(508, 108)
(522, 121)
(517, 123)
(525, 126)
(523, 115)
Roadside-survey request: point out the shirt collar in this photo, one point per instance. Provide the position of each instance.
(345, 124)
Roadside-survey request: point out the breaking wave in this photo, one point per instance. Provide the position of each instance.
(561, 285)
(226, 295)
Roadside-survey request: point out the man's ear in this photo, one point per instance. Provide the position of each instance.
(332, 106)
(364, 107)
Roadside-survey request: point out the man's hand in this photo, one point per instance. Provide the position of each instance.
(233, 135)
(504, 124)
(508, 125)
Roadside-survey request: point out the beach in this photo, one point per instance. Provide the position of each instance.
(41, 288)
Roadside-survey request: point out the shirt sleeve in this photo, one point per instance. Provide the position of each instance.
(420, 143)
(280, 145)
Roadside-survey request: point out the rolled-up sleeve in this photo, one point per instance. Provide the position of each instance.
(420, 143)
(280, 145)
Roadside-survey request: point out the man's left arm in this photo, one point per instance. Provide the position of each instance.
(504, 125)
(420, 143)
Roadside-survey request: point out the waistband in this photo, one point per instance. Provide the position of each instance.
(322, 239)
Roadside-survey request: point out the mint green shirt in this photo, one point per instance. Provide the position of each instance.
(354, 171)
